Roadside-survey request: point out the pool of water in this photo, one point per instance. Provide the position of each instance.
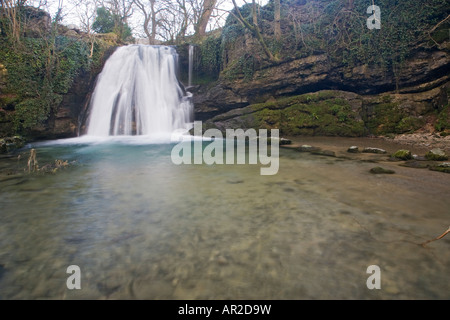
(141, 227)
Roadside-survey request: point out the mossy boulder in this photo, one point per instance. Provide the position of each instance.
(436, 155)
(403, 155)
(11, 143)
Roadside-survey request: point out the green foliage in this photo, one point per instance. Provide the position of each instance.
(104, 23)
(244, 68)
(107, 22)
(387, 117)
(210, 58)
(40, 73)
(332, 27)
(310, 114)
(443, 119)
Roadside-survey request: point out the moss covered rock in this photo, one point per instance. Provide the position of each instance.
(443, 167)
(11, 143)
(403, 155)
(436, 155)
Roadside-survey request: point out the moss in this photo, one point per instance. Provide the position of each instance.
(310, 114)
(436, 156)
(441, 34)
(443, 119)
(445, 169)
(409, 125)
(383, 118)
(403, 155)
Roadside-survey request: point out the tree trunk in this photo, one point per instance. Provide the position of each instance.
(208, 7)
(152, 38)
(277, 20)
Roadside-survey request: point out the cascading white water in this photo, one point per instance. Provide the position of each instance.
(138, 93)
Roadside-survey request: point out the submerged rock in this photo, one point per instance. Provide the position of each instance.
(419, 158)
(436, 155)
(416, 164)
(353, 149)
(308, 148)
(403, 155)
(374, 150)
(326, 153)
(380, 170)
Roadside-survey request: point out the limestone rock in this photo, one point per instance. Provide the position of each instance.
(353, 149)
(374, 150)
(436, 155)
(308, 148)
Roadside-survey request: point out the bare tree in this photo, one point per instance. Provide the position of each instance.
(87, 12)
(149, 11)
(10, 10)
(207, 9)
(253, 27)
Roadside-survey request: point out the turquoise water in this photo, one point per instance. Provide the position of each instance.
(140, 227)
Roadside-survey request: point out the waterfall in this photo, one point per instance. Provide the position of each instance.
(191, 63)
(138, 93)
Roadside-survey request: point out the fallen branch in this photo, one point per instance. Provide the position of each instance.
(440, 237)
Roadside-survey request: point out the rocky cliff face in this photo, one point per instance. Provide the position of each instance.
(424, 71)
(407, 94)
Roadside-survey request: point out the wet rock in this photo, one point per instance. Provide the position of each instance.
(374, 150)
(326, 153)
(436, 155)
(380, 170)
(416, 164)
(443, 167)
(308, 148)
(284, 142)
(2, 271)
(419, 158)
(11, 143)
(353, 149)
(403, 155)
